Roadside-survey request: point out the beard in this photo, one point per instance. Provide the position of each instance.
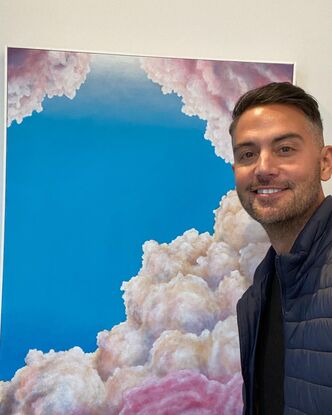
(295, 208)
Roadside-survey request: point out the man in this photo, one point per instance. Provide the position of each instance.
(285, 317)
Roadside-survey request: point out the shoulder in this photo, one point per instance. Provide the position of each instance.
(253, 293)
(247, 300)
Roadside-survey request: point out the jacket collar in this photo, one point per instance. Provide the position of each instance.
(312, 232)
(314, 228)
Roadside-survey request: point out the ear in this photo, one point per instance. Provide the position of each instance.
(326, 163)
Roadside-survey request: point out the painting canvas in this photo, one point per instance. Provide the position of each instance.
(126, 248)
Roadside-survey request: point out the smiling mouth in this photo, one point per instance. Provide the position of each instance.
(268, 191)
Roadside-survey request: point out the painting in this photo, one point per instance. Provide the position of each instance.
(126, 248)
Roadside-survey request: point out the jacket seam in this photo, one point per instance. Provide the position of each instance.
(312, 293)
(297, 410)
(308, 381)
(308, 350)
(309, 319)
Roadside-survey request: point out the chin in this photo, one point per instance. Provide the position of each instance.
(268, 216)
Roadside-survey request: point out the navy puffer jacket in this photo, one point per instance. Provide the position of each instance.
(305, 276)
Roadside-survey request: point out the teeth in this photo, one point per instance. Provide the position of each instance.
(268, 191)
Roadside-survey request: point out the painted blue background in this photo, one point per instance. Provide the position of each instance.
(88, 181)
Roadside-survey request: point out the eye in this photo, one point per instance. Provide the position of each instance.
(285, 149)
(247, 155)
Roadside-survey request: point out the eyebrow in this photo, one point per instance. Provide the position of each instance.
(275, 140)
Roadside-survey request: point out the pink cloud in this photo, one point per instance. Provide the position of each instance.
(193, 356)
(209, 89)
(178, 351)
(186, 393)
(35, 74)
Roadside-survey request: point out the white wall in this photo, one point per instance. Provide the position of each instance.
(281, 30)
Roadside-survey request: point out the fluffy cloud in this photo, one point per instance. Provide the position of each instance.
(209, 89)
(186, 393)
(178, 350)
(63, 383)
(35, 74)
(180, 335)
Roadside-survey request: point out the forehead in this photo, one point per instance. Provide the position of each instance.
(270, 121)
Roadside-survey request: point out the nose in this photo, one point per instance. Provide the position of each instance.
(266, 165)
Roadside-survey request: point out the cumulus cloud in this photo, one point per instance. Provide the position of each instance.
(234, 226)
(35, 74)
(209, 89)
(178, 348)
(63, 383)
(184, 392)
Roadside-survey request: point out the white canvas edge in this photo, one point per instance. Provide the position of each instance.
(3, 186)
(140, 55)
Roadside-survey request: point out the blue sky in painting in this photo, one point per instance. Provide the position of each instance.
(88, 181)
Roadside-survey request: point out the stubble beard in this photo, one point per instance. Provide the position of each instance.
(282, 216)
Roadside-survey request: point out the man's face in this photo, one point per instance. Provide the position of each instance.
(277, 164)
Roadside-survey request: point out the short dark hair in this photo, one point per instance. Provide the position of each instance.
(279, 93)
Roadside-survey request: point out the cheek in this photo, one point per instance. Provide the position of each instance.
(301, 174)
(241, 179)
(243, 170)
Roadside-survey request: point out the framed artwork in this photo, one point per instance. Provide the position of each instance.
(126, 248)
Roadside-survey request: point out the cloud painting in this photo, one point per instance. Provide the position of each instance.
(122, 225)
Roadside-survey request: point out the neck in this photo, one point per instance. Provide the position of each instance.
(283, 236)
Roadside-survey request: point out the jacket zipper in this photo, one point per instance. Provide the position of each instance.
(277, 267)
